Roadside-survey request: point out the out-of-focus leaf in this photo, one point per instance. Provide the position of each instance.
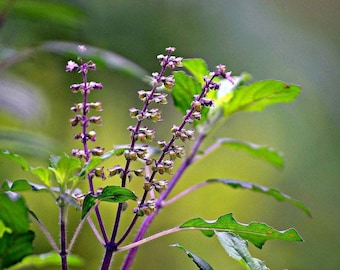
(257, 233)
(197, 67)
(62, 14)
(20, 98)
(237, 248)
(17, 241)
(99, 56)
(264, 152)
(258, 95)
(114, 194)
(42, 261)
(4, 229)
(278, 195)
(16, 158)
(22, 185)
(202, 264)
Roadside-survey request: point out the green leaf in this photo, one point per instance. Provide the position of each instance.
(197, 67)
(258, 95)
(14, 247)
(237, 248)
(114, 194)
(267, 153)
(47, 260)
(278, 195)
(17, 240)
(202, 264)
(13, 212)
(18, 185)
(43, 174)
(184, 90)
(62, 14)
(257, 233)
(16, 158)
(64, 168)
(4, 229)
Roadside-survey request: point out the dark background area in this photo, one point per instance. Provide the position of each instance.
(294, 41)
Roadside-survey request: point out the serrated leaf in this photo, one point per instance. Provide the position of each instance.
(202, 264)
(278, 195)
(197, 67)
(256, 233)
(114, 194)
(237, 248)
(43, 261)
(258, 95)
(264, 152)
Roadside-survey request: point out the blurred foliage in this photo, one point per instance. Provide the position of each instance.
(296, 41)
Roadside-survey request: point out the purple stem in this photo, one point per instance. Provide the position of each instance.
(63, 249)
(88, 153)
(149, 219)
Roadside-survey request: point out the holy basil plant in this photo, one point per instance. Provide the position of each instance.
(206, 99)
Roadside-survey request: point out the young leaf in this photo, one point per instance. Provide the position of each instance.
(258, 95)
(114, 194)
(47, 260)
(202, 264)
(278, 195)
(267, 153)
(257, 233)
(237, 248)
(43, 174)
(64, 168)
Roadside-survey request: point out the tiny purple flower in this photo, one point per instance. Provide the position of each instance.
(71, 65)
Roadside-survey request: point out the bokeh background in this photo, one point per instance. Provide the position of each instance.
(295, 41)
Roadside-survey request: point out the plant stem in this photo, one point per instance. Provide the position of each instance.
(159, 204)
(63, 248)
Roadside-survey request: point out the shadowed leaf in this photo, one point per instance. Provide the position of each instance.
(114, 194)
(237, 248)
(202, 264)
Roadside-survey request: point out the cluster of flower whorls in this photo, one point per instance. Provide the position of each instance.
(140, 135)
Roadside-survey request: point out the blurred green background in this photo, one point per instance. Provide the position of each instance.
(295, 41)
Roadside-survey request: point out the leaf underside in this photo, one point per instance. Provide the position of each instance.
(278, 195)
(200, 263)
